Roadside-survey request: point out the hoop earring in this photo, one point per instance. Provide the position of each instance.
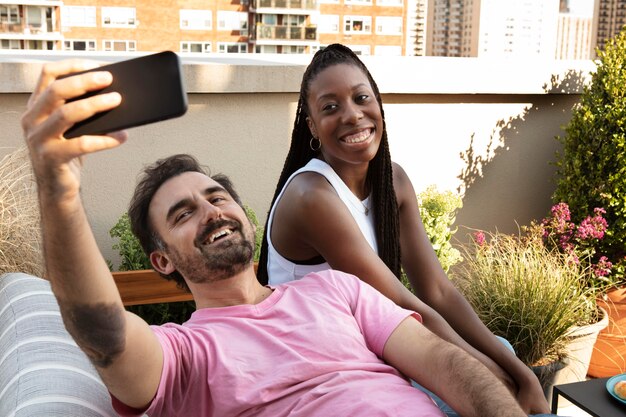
(315, 148)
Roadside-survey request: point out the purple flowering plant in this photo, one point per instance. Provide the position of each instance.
(579, 242)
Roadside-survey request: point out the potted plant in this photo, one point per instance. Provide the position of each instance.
(526, 293)
(590, 172)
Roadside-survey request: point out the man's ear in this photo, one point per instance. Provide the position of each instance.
(161, 262)
(312, 128)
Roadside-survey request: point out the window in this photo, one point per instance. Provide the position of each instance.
(389, 2)
(328, 23)
(389, 25)
(357, 24)
(84, 16)
(119, 46)
(119, 17)
(232, 47)
(269, 19)
(196, 47)
(9, 14)
(361, 2)
(10, 44)
(266, 49)
(294, 20)
(329, 1)
(388, 50)
(233, 21)
(294, 49)
(79, 45)
(360, 49)
(196, 19)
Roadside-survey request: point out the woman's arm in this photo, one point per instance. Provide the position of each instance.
(311, 220)
(434, 288)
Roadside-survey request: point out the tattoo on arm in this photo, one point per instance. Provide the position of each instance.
(99, 330)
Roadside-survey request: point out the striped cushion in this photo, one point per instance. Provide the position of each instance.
(42, 371)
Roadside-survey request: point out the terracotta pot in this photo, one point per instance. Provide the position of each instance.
(609, 352)
(579, 350)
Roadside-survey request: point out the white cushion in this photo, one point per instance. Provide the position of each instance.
(42, 370)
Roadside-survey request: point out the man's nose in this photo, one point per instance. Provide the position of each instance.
(210, 211)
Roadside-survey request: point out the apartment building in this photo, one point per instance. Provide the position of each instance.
(480, 28)
(608, 20)
(32, 24)
(574, 32)
(200, 27)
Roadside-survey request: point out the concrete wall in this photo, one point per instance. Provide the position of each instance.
(483, 128)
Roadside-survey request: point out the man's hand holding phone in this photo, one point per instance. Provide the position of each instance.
(50, 113)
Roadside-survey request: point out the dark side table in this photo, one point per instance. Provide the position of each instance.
(590, 396)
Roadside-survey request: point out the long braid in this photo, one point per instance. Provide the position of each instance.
(379, 176)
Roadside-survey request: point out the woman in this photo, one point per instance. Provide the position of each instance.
(341, 203)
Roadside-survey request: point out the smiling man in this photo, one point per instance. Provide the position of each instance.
(327, 344)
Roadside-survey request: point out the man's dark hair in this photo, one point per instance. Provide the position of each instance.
(379, 178)
(154, 176)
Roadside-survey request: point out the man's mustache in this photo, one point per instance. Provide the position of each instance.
(210, 228)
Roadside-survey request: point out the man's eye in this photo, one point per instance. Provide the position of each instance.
(216, 199)
(182, 215)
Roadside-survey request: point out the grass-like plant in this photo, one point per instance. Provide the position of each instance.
(525, 293)
(20, 233)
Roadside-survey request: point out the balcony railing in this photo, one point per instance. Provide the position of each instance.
(285, 4)
(286, 32)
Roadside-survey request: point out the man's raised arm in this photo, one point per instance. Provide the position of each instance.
(460, 380)
(90, 304)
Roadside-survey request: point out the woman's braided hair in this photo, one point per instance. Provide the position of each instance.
(379, 174)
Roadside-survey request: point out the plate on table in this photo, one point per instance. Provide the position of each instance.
(610, 386)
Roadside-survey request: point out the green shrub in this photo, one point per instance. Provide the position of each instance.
(438, 212)
(133, 258)
(592, 166)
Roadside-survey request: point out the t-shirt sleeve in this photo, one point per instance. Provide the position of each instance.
(376, 315)
(173, 387)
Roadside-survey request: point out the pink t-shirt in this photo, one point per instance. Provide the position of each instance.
(312, 348)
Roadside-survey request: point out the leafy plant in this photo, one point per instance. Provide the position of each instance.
(592, 165)
(438, 212)
(526, 293)
(133, 258)
(579, 242)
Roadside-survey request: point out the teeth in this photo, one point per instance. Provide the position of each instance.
(359, 137)
(219, 234)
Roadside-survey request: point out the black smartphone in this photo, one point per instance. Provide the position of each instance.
(151, 88)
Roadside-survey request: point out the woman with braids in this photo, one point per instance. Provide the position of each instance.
(341, 203)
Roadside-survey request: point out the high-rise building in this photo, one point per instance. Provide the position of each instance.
(479, 28)
(574, 33)
(228, 26)
(609, 18)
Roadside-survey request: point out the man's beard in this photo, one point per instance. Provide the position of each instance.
(217, 261)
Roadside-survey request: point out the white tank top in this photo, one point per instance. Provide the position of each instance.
(280, 269)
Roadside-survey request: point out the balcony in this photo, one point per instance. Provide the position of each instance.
(285, 34)
(289, 6)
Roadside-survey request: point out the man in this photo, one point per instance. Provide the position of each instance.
(325, 345)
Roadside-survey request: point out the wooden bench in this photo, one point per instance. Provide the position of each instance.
(147, 287)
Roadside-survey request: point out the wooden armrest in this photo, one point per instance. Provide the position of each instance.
(148, 287)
